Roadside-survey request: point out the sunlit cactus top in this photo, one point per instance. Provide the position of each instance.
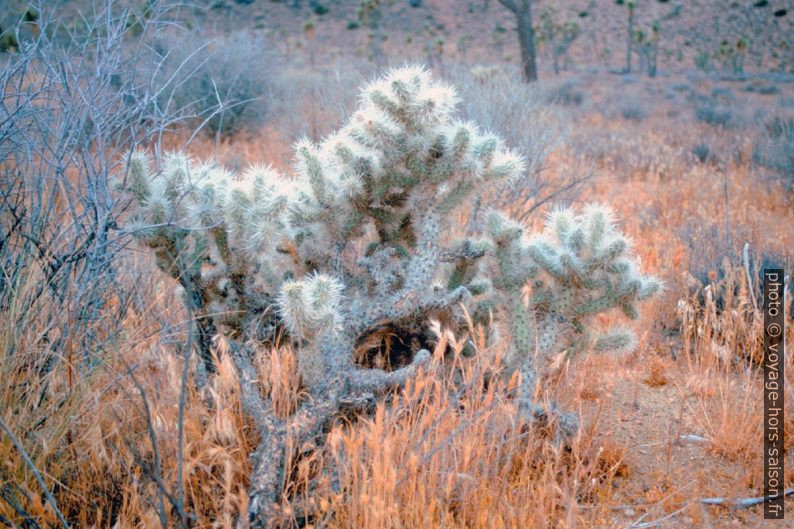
(580, 266)
(400, 149)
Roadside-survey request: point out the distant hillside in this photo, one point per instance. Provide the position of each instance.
(586, 34)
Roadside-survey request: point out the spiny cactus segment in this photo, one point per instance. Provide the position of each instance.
(579, 267)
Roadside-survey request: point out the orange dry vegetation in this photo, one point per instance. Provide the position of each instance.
(107, 441)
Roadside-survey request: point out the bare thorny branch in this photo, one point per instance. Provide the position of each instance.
(75, 101)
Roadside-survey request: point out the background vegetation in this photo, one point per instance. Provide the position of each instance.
(680, 117)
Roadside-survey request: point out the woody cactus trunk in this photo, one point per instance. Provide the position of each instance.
(355, 240)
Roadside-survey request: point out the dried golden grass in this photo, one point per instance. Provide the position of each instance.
(86, 430)
(723, 352)
(450, 451)
(423, 459)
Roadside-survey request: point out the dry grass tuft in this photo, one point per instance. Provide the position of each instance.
(722, 331)
(452, 444)
(658, 376)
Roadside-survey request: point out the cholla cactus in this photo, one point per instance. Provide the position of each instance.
(579, 267)
(385, 182)
(354, 240)
(398, 167)
(218, 235)
(309, 307)
(262, 244)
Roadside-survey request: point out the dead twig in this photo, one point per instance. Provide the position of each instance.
(50, 498)
(750, 286)
(743, 503)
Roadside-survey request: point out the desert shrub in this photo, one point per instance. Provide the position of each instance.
(318, 7)
(762, 88)
(630, 103)
(628, 152)
(312, 102)
(702, 61)
(774, 148)
(715, 115)
(673, 96)
(633, 111)
(358, 243)
(778, 126)
(61, 101)
(226, 82)
(721, 313)
(69, 111)
(722, 94)
(500, 102)
(703, 153)
(719, 108)
(567, 93)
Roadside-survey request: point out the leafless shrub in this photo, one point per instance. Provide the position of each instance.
(76, 98)
(774, 149)
(73, 103)
(521, 114)
(226, 81)
(315, 103)
(566, 93)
